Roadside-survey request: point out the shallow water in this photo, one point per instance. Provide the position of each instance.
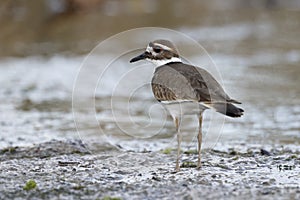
(254, 53)
(36, 102)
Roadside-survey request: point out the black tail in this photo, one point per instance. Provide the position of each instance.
(228, 109)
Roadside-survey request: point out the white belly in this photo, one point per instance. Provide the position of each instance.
(178, 109)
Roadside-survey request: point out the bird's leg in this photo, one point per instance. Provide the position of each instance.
(199, 141)
(179, 138)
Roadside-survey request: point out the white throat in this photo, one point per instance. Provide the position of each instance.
(158, 63)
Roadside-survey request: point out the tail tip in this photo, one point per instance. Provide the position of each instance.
(238, 113)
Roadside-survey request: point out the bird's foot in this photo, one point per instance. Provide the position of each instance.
(199, 166)
(177, 168)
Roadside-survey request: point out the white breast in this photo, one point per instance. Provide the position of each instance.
(158, 63)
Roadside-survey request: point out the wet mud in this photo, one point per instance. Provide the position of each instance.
(67, 170)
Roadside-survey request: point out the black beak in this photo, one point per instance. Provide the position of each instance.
(140, 57)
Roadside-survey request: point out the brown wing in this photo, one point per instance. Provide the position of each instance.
(162, 93)
(187, 82)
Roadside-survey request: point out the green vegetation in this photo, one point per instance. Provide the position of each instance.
(235, 158)
(191, 151)
(291, 157)
(9, 150)
(111, 198)
(78, 187)
(31, 184)
(188, 165)
(167, 150)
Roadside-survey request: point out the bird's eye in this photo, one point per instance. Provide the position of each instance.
(157, 50)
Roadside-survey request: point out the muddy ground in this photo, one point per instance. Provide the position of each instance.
(66, 170)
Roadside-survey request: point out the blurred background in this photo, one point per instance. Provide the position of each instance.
(254, 44)
(48, 27)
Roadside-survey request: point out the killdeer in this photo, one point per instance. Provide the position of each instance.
(185, 89)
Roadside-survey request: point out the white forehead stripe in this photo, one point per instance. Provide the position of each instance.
(163, 46)
(149, 49)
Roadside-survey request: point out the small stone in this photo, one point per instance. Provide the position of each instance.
(156, 178)
(214, 176)
(264, 152)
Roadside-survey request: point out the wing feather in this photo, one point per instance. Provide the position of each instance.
(186, 82)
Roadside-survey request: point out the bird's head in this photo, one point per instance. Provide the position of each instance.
(159, 52)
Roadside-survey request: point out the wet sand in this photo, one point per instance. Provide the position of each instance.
(64, 170)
